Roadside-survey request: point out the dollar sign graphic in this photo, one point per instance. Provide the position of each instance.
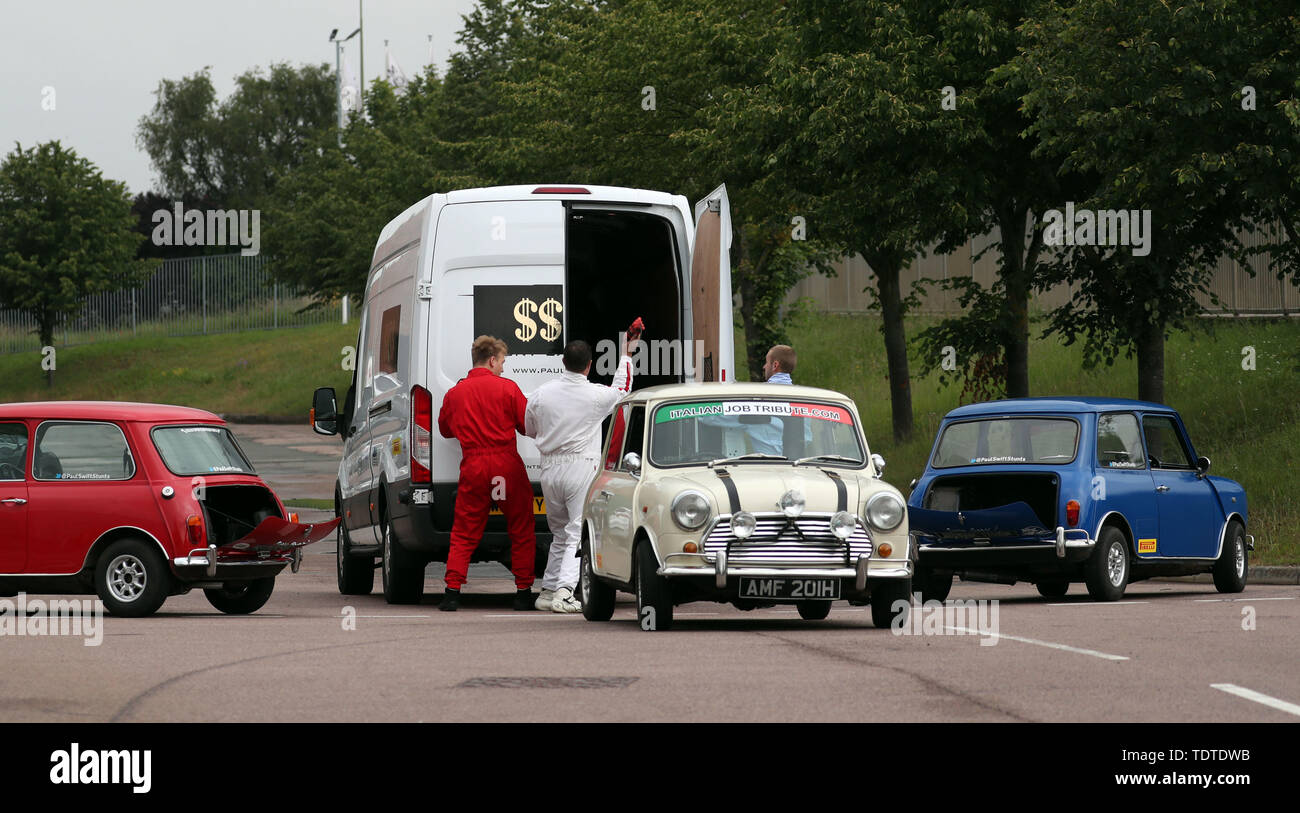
(527, 327)
(547, 311)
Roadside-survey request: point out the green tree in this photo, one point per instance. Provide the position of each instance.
(65, 232)
(231, 153)
(1146, 99)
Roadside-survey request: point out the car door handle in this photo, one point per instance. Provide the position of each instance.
(1162, 489)
(15, 500)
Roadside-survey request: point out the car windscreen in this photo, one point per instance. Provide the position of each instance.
(1007, 441)
(191, 450)
(695, 432)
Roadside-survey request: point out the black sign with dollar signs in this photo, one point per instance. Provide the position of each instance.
(528, 318)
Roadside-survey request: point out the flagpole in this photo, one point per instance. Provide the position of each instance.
(361, 25)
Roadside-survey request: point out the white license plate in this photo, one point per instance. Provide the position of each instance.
(790, 589)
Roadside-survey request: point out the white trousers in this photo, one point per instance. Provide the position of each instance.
(564, 485)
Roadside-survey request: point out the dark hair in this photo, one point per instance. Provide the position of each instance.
(577, 355)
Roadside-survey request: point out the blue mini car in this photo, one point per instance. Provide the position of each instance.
(1105, 491)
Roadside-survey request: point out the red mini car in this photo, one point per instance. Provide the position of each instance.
(135, 503)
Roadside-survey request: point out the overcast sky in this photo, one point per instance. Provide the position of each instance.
(104, 59)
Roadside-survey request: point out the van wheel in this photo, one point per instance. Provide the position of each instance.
(241, 598)
(1106, 572)
(814, 610)
(932, 586)
(654, 596)
(597, 597)
(356, 574)
(1233, 563)
(1053, 589)
(403, 571)
(132, 579)
(884, 595)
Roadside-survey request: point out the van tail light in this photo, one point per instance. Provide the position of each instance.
(198, 534)
(421, 435)
(1072, 512)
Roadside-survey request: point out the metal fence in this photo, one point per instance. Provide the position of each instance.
(184, 297)
(1240, 293)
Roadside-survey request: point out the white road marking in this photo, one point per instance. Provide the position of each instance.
(1063, 647)
(383, 616)
(1267, 598)
(1095, 603)
(1251, 694)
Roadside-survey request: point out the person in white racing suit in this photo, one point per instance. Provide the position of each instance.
(564, 417)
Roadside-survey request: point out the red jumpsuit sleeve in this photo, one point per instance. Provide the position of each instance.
(445, 414)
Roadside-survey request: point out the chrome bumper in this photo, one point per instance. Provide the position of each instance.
(206, 558)
(1066, 539)
(721, 571)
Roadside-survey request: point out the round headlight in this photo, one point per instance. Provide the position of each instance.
(743, 524)
(792, 503)
(842, 524)
(690, 510)
(885, 511)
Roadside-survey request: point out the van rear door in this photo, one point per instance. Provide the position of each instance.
(711, 288)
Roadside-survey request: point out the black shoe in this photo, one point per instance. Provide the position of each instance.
(525, 599)
(450, 601)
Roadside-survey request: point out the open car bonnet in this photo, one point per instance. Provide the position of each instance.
(1013, 521)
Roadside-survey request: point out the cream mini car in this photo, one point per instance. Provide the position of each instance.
(754, 494)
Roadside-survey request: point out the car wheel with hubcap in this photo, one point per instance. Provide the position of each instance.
(241, 598)
(132, 579)
(654, 597)
(1053, 588)
(356, 574)
(885, 594)
(597, 597)
(403, 573)
(1107, 570)
(1233, 563)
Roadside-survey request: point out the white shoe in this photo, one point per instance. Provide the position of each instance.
(564, 602)
(544, 599)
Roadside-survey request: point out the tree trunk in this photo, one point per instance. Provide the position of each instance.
(1151, 363)
(1015, 278)
(887, 268)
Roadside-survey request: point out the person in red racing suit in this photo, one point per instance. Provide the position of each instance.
(484, 411)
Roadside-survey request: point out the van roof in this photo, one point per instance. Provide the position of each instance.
(736, 389)
(604, 194)
(105, 411)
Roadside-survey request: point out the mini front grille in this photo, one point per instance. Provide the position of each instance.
(780, 541)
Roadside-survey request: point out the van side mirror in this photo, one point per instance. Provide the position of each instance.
(324, 412)
(1202, 465)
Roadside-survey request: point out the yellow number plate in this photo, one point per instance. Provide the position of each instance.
(539, 506)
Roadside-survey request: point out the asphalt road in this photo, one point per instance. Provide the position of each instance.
(1158, 656)
(1169, 652)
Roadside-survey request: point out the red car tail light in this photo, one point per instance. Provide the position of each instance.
(421, 435)
(1072, 512)
(198, 534)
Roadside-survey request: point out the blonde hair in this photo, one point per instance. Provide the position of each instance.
(485, 348)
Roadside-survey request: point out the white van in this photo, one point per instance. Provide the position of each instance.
(535, 266)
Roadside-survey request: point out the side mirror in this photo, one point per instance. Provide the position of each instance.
(1202, 465)
(324, 412)
(632, 462)
(879, 463)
